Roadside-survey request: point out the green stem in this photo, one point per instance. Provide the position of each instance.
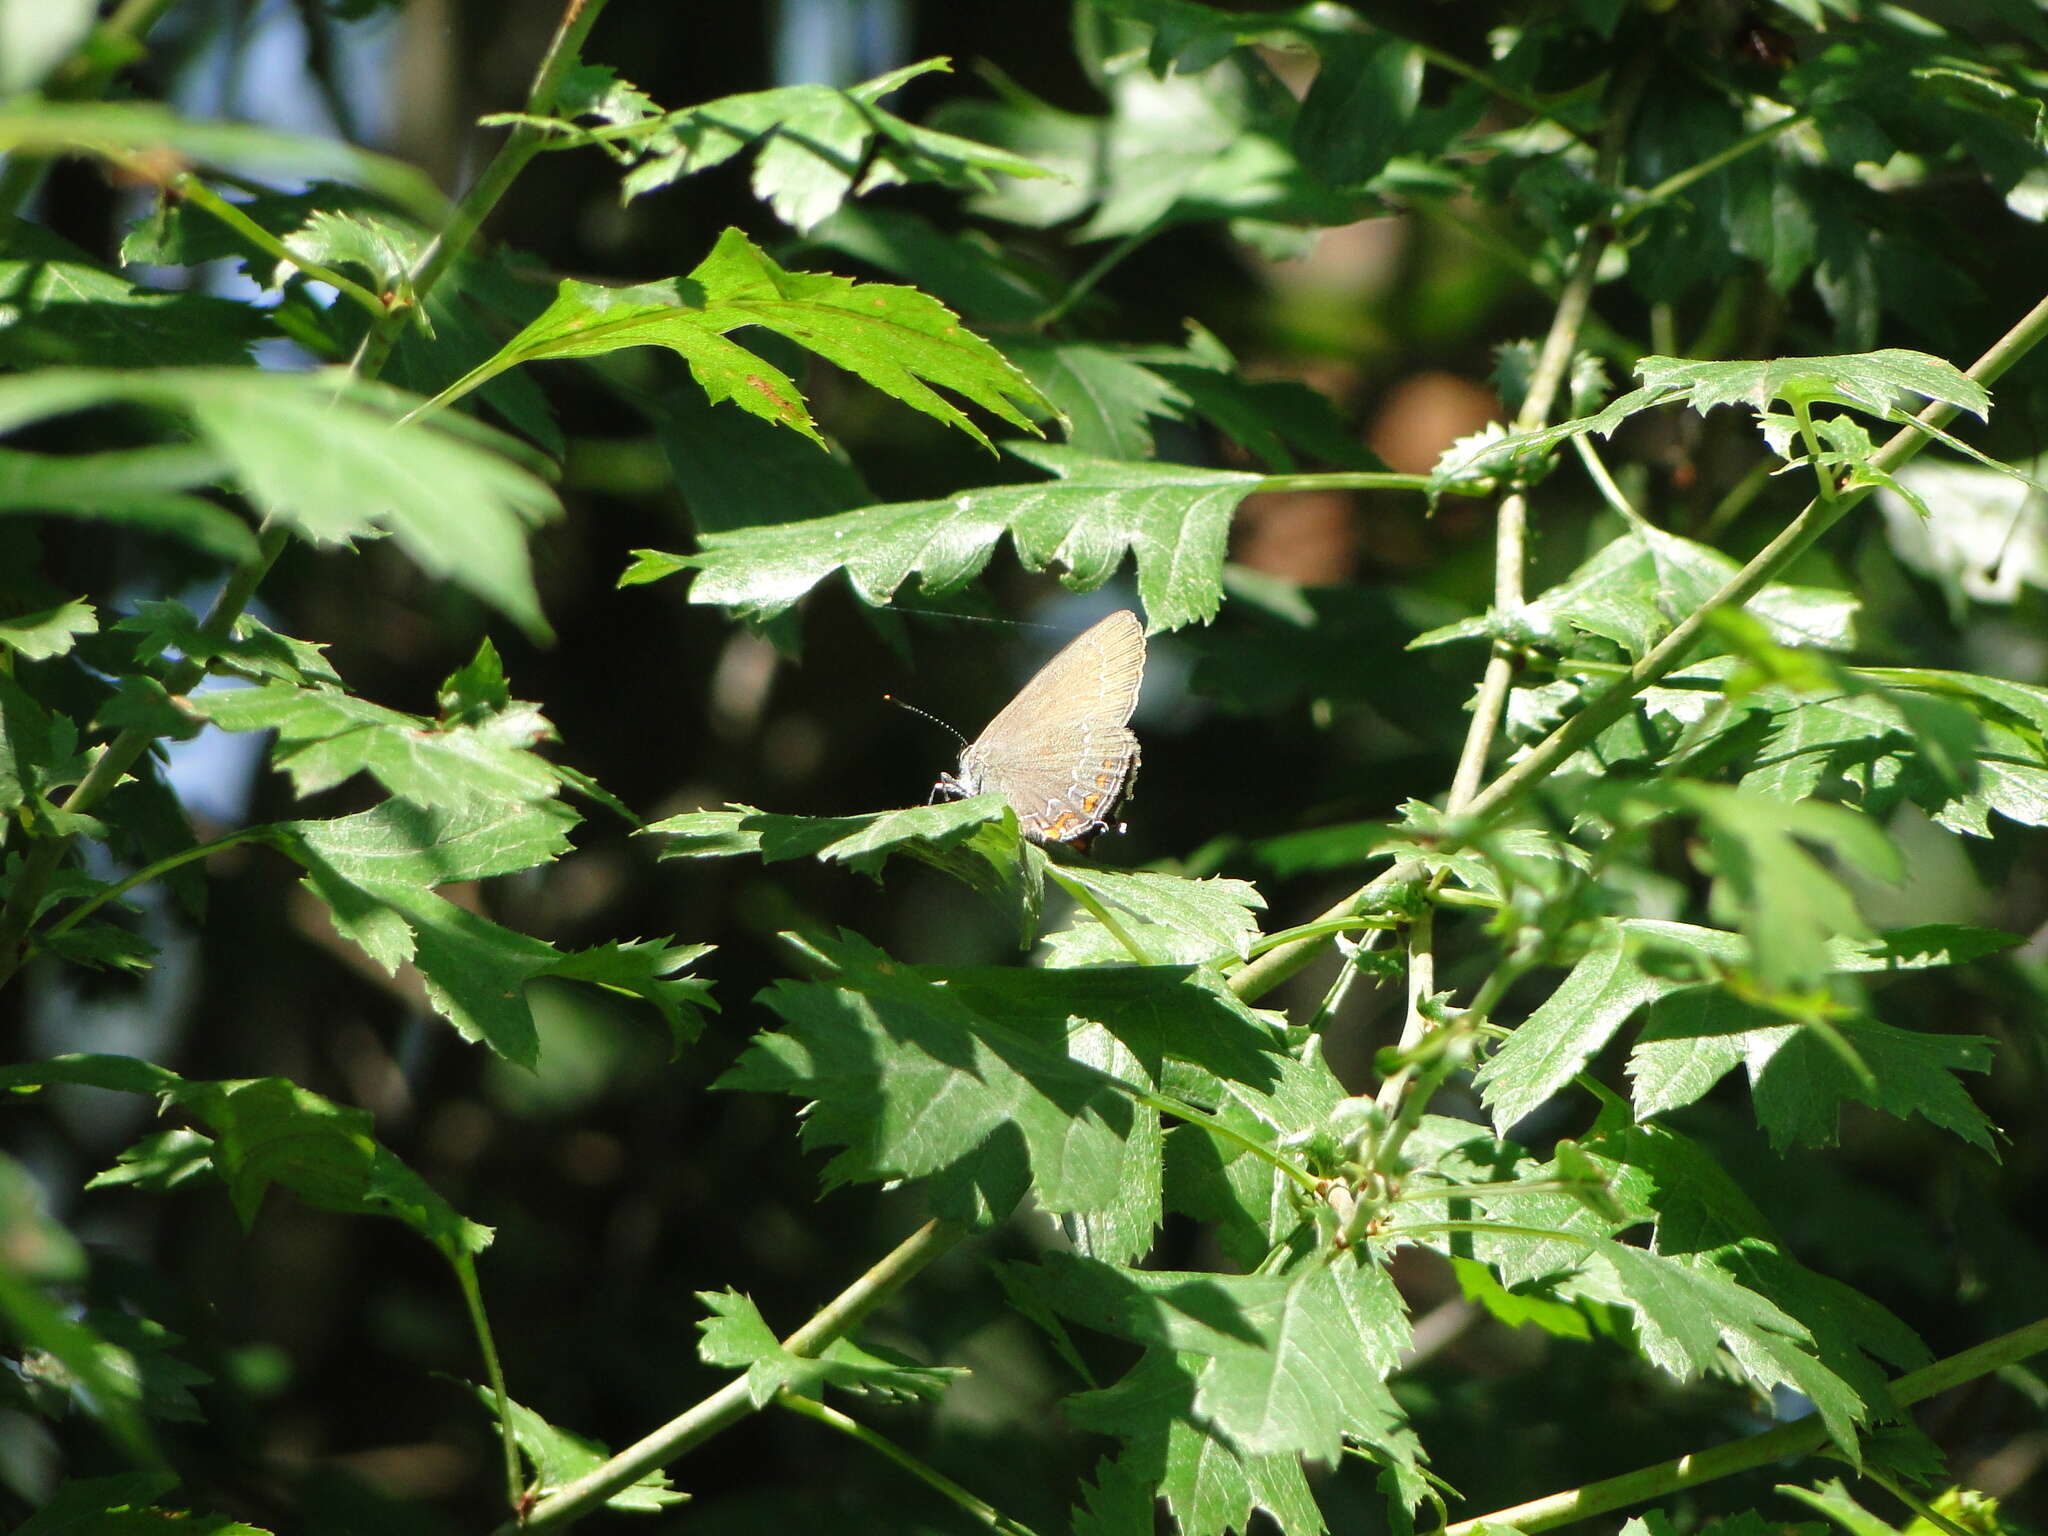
(1083, 285)
(1823, 477)
(149, 872)
(1797, 536)
(1322, 928)
(1254, 981)
(1677, 182)
(1414, 1023)
(494, 1372)
(734, 1401)
(200, 195)
(1603, 482)
(1452, 64)
(1795, 1439)
(1223, 1131)
(1351, 480)
(1101, 914)
(1339, 989)
(520, 146)
(976, 1509)
(1567, 320)
(1914, 1502)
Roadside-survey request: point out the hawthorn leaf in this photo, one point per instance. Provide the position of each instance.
(558, 1457)
(1173, 518)
(899, 340)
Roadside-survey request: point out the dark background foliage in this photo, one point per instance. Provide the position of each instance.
(618, 1184)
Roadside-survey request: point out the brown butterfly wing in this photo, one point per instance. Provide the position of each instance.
(1062, 751)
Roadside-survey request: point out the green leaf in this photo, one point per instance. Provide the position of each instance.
(899, 340)
(99, 1375)
(66, 308)
(975, 841)
(98, 128)
(646, 969)
(737, 1337)
(251, 648)
(910, 1080)
(124, 1505)
(1105, 396)
(328, 459)
(1633, 590)
(1293, 1363)
(736, 470)
(398, 844)
(1173, 518)
(326, 736)
(139, 488)
(1210, 1486)
(1003, 287)
(51, 631)
(377, 871)
(1788, 904)
(559, 1456)
(818, 145)
(1200, 919)
(385, 250)
(1360, 102)
(1799, 1079)
(271, 1131)
(1172, 149)
(160, 1163)
(1633, 962)
(1603, 991)
(1703, 1217)
(1882, 383)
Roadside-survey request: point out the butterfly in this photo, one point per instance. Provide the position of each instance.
(1062, 751)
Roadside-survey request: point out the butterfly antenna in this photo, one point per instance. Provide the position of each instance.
(935, 720)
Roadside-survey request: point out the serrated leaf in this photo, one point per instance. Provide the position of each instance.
(1882, 383)
(1292, 1364)
(327, 458)
(1173, 518)
(377, 871)
(819, 145)
(1879, 382)
(1215, 916)
(977, 841)
(326, 736)
(271, 1131)
(899, 340)
(736, 1336)
(251, 648)
(646, 969)
(559, 1456)
(1210, 1487)
(1602, 993)
(1788, 903)
(384, 249)
(1634, 589)
(1632, 962)
(126, 1504)
(50, 631)
(400, 844)
(910, 1080)
(66, 308)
